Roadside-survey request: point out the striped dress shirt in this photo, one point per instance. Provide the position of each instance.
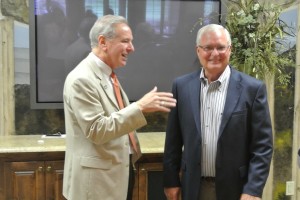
(212, 99)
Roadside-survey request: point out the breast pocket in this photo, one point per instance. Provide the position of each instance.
(239, 116)
(239, 113)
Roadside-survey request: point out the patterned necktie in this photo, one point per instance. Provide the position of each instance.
(121, 105)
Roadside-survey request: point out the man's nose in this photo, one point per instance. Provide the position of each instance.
(131, 47)
(215, 51)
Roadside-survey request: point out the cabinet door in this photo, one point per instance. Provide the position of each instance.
(151, 181)
(54, 179)
(24, 180)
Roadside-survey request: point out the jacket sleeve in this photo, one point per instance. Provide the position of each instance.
(98, 119)
(261, 144)
(173, 147)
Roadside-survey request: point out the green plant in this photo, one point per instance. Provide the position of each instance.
(258, 37)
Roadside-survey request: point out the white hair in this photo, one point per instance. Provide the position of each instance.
(212, 28)
(105, 26)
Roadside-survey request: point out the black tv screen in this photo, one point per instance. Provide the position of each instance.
(164, 34)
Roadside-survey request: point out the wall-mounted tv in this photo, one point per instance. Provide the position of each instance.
(164, 38)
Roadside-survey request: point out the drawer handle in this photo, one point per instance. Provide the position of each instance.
(40, 169)
(49, 169)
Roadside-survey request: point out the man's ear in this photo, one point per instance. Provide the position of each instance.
(197, 49)
(102, 41)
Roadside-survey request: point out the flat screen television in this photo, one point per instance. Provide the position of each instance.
(164, 34)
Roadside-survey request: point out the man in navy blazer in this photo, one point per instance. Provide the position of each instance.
(219, 137)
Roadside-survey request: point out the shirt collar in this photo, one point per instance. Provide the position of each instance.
(104, 67)
(220, 80)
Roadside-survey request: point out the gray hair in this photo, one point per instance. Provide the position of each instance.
(212, 28)
(105, 26)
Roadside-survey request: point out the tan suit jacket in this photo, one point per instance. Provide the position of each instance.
(97, 144)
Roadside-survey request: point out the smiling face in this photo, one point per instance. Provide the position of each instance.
(213, 61)
(117, 49)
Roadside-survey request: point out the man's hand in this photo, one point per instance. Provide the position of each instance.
(249, 197)
(172, 193)
(156, 101)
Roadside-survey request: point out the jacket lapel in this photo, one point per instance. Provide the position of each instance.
(103, 82)
(105, 85)
(233, 95)
(194, 91)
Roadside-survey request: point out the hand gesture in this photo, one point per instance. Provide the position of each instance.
(156, 101)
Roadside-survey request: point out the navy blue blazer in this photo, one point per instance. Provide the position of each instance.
(245, 144)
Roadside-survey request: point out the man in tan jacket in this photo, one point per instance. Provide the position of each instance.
(97, 162)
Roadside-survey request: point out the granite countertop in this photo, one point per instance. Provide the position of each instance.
(151, 142)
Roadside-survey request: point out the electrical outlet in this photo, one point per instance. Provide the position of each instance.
(290, 188)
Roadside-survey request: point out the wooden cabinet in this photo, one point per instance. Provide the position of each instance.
(54, 179)
(39, 176)
(23, 180)
(34, 180)
(150, 182)
(149, 178)
(28, 179)
(31, 171)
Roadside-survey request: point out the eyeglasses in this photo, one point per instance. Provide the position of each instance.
(209, 49)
